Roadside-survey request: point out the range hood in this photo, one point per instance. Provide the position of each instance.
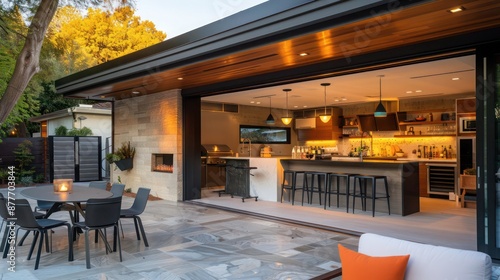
(306, 123)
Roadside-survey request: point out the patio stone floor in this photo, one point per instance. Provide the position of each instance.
(191, 242)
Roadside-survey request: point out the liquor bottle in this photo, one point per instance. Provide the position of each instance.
(445, 152)
(294, 154)
(419, 152)
(450, 152)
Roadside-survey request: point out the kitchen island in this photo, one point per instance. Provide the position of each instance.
(402, 177)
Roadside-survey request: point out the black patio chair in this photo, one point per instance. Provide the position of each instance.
(117, 189)
(98, 185)
(140, 201)
(96, 220)
(25, 219)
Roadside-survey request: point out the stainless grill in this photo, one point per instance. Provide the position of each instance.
(212, 153)
(213, 167)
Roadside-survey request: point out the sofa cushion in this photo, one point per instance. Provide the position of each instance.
(428, 261)
(357, 266)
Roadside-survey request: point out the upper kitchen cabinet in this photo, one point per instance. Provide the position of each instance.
(466, 105)
(321, 131)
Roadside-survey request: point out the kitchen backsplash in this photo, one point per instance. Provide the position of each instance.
(384, 143)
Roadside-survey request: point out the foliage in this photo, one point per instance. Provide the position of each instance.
(99, 36)
(61, 130)
(84, 131)
(50, 101)
(128, 190)
(22, 56)
(39, 178)
(26, 180)
(4, 173)
(123, 152)
(24, 158)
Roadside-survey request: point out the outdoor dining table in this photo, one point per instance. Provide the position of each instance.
(78, 195)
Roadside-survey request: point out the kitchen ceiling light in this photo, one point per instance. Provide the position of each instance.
(286, 120)
(270, 118)
(380, 110)
(325, 118)
(456, 10)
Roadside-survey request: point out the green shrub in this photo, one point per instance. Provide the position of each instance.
(26, 180)
(61, 131)
(24, 159)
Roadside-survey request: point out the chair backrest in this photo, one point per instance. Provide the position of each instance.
(24, 214)
(141, 199)
(98, 185)
(117, 189)
(96, 207)
(4, 212)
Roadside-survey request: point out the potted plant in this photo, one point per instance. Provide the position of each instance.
(123, 157)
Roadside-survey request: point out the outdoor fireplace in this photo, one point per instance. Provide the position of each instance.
(162, 163)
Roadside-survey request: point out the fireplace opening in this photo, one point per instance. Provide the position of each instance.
(162, 163)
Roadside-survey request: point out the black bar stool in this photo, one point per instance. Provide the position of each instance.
(363, 179)
(337, 191)
(290, 183)
(312, 188)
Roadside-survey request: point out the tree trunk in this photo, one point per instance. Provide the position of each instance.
(27, 63)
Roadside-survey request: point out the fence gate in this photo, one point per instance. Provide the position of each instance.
(75, 157)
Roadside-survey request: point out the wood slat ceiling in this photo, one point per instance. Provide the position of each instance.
(399, 28)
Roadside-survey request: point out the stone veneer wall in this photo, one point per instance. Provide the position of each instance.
(152, 124)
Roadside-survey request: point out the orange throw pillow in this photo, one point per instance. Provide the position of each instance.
(357, 266)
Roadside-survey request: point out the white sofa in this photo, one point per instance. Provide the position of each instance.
(427, 262)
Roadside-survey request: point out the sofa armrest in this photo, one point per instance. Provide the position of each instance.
(329, 275)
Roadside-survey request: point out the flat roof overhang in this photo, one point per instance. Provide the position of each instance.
(244, 51)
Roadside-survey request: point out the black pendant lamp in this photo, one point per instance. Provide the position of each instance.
(286, 120)
(325, 117)
(380, 111)
(270, 118)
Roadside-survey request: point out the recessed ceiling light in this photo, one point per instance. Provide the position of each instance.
(135, 92)
(258, 103)
(409, 91)
(418, 90)
(455, 79)
(303, 54)
(180, 78)
(344, 99)
(456, 9)
(295, 106)
(305, 106)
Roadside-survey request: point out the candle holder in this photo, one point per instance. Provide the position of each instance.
(63, 185)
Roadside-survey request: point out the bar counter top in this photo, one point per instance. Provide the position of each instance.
(402, 177)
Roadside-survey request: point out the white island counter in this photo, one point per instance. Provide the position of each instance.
(265, 181)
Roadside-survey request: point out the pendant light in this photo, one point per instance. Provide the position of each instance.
(270, 118)
(286, 120)
(325, 118)
(380, 110)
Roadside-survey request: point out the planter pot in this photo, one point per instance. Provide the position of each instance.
(125, 164)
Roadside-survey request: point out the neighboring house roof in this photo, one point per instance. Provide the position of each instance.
(96, 109)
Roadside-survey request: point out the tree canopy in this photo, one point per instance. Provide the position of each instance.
(75, 41)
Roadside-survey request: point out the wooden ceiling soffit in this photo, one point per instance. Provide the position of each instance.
(396, 28)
